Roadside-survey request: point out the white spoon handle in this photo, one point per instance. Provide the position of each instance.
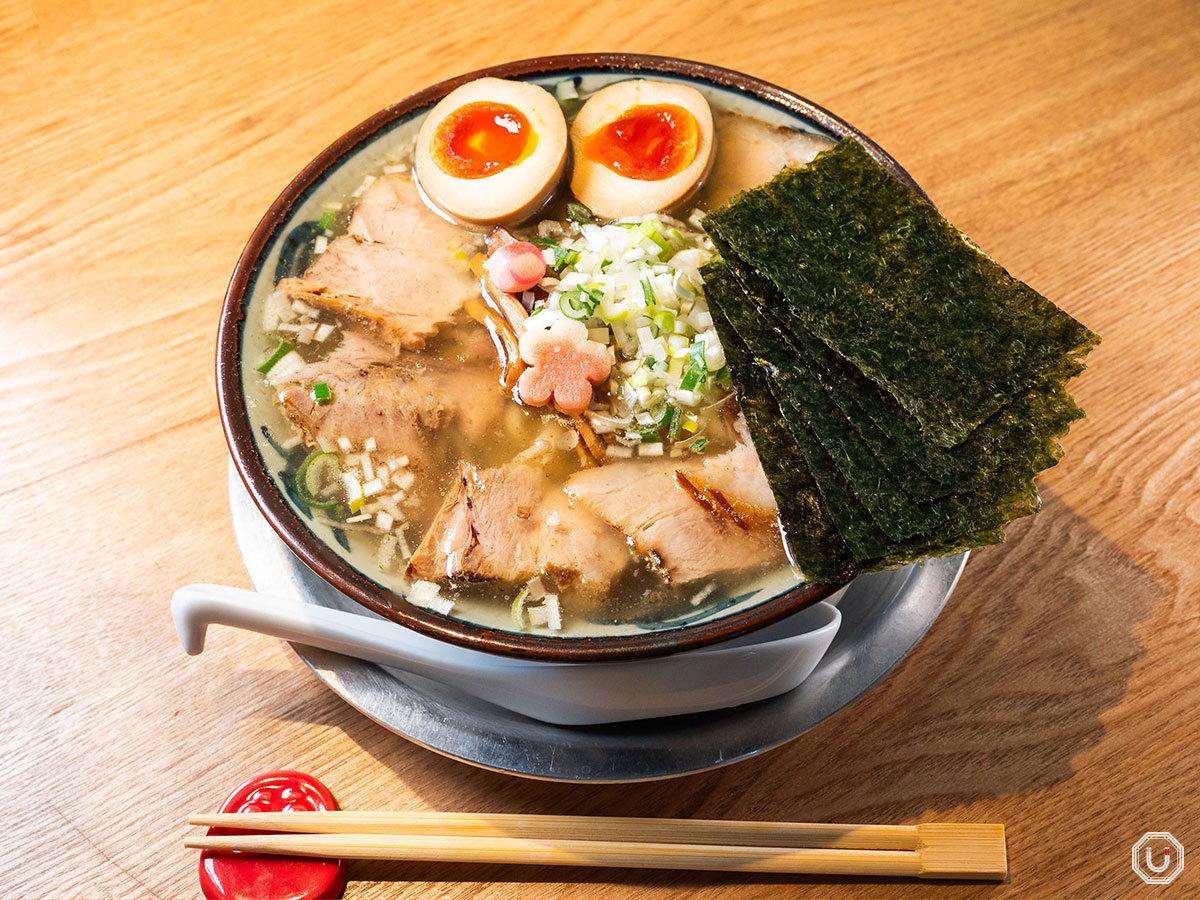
(197, 606)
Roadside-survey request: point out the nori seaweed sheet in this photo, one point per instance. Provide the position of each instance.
(1024, 431)
(913, 551)
(853, 523)
(806, 406)
(912, 479)
(811, 538)
(811, 529)
(1027, 428)
(875, 272)
(835, 505)
(1007, 493)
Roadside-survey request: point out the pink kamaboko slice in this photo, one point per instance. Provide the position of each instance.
(563, 366)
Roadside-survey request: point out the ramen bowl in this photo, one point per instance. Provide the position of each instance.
(279, 245)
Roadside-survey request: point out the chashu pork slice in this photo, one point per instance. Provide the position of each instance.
(692, 521)
(391, 211)
(751, 152)
(398, 271)
(511, 523)
(400, 399)
(733, 485)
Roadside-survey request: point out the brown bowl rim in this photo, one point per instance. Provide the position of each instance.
(332, 568)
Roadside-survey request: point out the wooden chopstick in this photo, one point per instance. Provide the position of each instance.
(589, 828)
(922, 851)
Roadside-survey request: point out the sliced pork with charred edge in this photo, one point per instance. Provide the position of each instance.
(686, 519)
(733, 485)
(510, 524)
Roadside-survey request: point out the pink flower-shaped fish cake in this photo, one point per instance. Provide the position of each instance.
(563, 366)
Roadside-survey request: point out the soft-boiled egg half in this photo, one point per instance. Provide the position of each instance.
(640, 147)
(492, 151)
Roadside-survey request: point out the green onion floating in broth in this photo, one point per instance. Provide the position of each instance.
(284, 348)
(518, 609)
(319, 481)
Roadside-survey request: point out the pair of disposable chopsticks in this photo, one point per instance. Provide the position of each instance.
(916, 851)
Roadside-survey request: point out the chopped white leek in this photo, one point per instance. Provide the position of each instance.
(354, 492)
(644, 298)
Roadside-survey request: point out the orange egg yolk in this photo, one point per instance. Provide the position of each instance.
(647, 143)
(481, 139)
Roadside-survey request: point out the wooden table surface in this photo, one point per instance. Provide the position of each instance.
(143, 139)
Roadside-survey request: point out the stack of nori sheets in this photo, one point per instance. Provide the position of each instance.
(902, 389)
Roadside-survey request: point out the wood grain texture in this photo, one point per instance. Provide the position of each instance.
(142, 141)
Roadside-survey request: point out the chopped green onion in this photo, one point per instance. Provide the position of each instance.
(605, 264)
(518, 609)
(665, 320)
(327, 219)
(649, 230)
(647, 433)
(580, 214)
(650, 362)
(672, 424)
(691, 423)
(543, 242)
(648, 292)
(319, 479)
(320, 392)
(354, 492)
(722, 374)
(699, 444)
(281, 351)
(573, 305)
(697, 367)
(565, 257)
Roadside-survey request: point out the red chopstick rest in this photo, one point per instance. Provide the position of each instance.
(226, 875)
